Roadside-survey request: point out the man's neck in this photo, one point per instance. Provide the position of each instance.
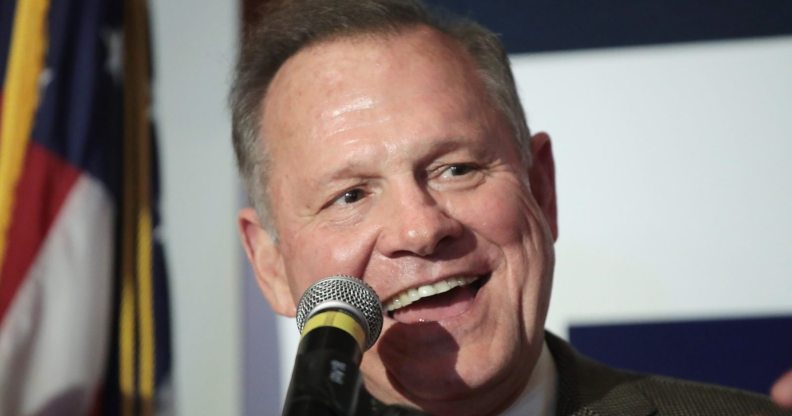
(539, 395)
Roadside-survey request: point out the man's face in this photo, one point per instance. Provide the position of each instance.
(391, 163)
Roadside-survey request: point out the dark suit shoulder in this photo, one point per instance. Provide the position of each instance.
(682, 397)
(589, 388)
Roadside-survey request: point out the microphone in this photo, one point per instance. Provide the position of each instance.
(339, 318)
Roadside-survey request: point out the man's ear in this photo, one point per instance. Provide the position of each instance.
(542, 176)
(267, 261)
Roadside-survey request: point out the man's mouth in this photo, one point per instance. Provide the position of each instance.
(434, 302)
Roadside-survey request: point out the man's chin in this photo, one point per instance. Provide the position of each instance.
(420, 360)
(435, 376)
(423, 366)
(436, 391)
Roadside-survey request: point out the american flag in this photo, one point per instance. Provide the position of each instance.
(84, 325)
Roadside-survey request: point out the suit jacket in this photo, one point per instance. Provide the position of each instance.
(588, 388)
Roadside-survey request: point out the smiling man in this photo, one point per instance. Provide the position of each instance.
(377, 142)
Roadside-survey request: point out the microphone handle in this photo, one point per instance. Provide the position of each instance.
(325, 379)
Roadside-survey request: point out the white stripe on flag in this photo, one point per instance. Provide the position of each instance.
(53, 340)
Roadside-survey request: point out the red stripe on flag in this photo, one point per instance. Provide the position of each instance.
(43, 186)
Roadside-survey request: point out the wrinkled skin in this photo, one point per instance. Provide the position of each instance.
(391, 163)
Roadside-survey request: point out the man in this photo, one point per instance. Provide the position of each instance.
(379, 143)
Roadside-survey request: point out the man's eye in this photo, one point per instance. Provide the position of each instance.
(349, 197)
(458, 170)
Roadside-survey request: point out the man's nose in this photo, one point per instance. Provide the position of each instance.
(417, 223)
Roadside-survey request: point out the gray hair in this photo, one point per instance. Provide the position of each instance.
(288, 26)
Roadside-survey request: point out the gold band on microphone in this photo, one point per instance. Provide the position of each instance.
(338, 320)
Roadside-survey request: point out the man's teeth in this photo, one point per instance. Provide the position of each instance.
(411, 295)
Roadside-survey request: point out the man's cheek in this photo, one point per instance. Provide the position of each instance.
(329, 253)
(303, 269)
(500, 217)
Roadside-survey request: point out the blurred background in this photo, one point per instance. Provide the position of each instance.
(672, 132)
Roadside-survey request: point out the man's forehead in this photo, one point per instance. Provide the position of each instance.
(342, 70)
(331, 59)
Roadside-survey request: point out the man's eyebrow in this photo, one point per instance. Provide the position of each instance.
(352, 171)
(359, 168)
(449, 144)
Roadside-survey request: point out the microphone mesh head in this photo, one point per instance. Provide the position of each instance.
(344, 292)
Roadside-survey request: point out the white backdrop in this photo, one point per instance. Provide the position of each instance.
(195, 47)
(674, 169)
